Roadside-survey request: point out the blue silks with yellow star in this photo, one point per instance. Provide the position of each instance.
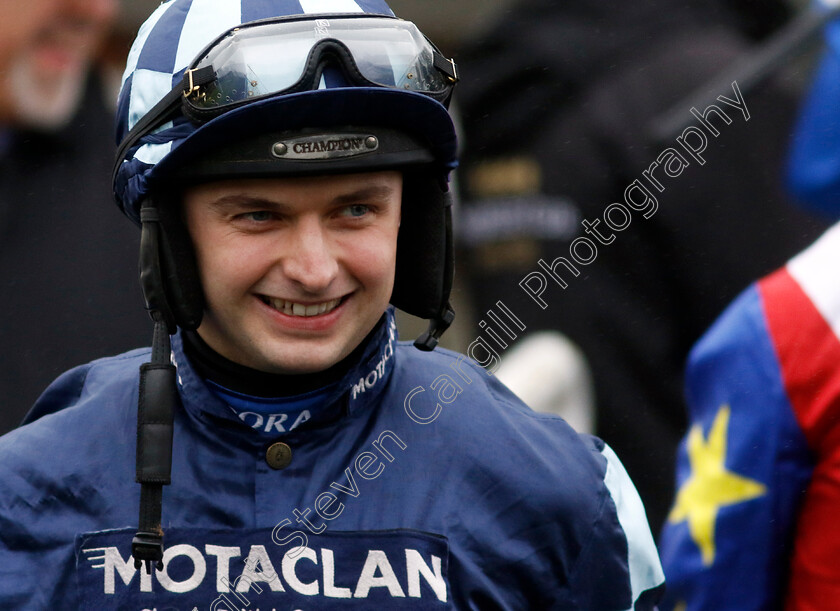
(742, 470)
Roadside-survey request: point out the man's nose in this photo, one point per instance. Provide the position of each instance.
(308, 258)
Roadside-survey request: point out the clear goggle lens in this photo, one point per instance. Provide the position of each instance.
(267, 58)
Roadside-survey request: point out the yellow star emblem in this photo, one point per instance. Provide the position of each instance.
(710, 486)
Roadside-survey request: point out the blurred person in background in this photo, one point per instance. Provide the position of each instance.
(754, 524)
(559, 110)
(69, 292)
(813, 172)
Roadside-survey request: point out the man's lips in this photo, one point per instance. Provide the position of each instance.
(301, 310)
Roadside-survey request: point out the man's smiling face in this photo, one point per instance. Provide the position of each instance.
(295, 271)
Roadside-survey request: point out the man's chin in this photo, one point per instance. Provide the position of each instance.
(294, 360)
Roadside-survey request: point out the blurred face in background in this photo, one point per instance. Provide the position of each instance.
(46, 47)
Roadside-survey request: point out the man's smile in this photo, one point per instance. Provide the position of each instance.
(292, 308)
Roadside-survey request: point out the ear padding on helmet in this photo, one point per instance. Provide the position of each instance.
(151, 277)
(168, 271)
(424, 267)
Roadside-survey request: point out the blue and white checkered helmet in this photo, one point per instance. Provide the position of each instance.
(403, 91)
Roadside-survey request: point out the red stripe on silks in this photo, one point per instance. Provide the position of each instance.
(808, 352)
(809, 355)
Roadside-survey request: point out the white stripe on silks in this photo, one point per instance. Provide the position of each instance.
(330, 6)
(152, 153)
(147, 89)
(206, 20)
(815, 271)
(140, 41)
(643, 560)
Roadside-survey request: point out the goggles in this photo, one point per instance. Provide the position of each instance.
(271, 57)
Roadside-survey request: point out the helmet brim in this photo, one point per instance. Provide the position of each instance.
(417, 115)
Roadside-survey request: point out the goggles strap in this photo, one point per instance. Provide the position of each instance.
(446, 65)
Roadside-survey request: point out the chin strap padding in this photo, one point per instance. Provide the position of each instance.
(156, 406)
(151, 270)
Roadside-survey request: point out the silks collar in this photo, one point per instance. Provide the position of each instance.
(357, 389)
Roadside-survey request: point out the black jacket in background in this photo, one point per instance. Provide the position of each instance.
(68, 258)
(573, 88)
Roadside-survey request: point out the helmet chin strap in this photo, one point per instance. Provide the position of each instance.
(437, 326)
(157, 398)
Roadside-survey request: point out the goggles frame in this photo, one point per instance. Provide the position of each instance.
(195, 77)
(321, 24)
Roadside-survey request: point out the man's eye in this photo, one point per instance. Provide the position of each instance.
(258, 215)
(356, 210)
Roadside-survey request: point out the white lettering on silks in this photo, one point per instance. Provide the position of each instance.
(415, 566)
(272, 423)
(369, 381)
(395, 574)
(377, 561)
(113, 564)
(378, 372)
(194, 580)
(224, 554)
(330, 589)
(288, 567)
(275, 421)
(258, 557)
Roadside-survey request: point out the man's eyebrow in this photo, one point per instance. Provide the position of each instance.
(238, 200)
(362, 194)
(372, 192)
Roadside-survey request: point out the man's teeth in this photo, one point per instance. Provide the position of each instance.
(298, 309)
